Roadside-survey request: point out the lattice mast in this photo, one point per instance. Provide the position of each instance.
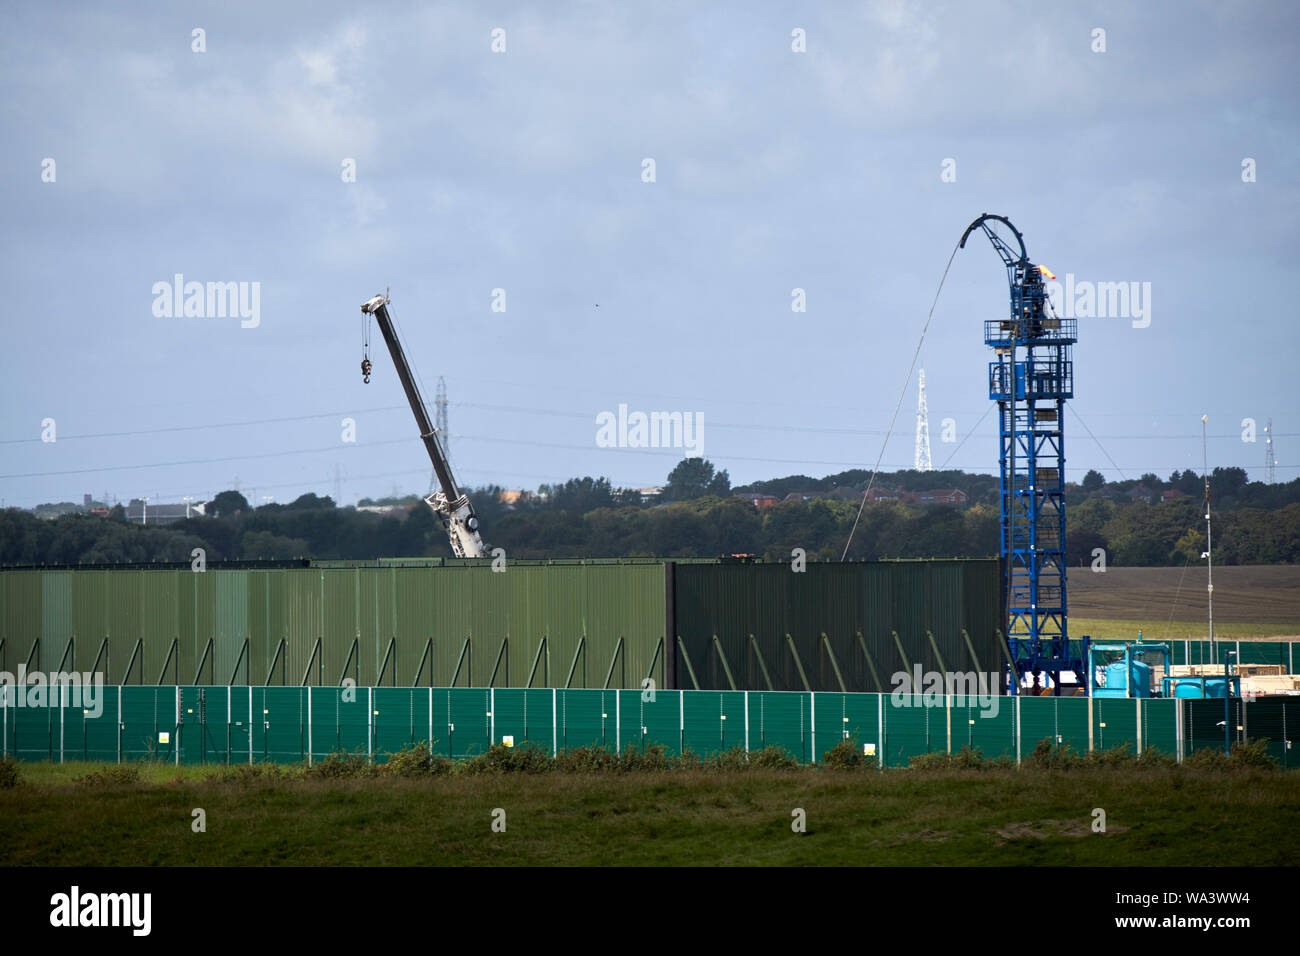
(1030, 378)
(921, 460)
(1270, 463)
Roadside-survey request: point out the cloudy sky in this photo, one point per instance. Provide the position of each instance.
(848, 171)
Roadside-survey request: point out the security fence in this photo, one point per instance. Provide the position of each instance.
(240, 724)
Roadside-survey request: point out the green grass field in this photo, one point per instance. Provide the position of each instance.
(1155, 817)
(1114, 630)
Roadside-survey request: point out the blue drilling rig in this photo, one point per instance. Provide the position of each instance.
(1030, 377)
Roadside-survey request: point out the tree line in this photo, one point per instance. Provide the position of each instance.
(697, 515)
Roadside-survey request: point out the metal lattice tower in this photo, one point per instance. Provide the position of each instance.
(921, 461)
(1030, 378)
(440, 417)
(1270, 463)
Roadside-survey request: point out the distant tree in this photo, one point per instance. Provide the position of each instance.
(226, 505)
(1093, 481)
(694, 478)
(310, 502)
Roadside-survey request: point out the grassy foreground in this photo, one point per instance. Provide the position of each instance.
(74, 815)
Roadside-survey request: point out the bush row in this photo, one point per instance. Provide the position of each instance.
(847, 755)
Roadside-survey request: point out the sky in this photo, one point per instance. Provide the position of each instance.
(487, 163)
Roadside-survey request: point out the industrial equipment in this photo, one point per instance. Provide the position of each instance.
(451, 506)
(1126, 668)
(1030, 377)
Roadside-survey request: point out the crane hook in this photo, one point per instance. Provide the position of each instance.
(365, 371)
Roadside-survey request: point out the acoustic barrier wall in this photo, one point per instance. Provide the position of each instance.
(568, 624)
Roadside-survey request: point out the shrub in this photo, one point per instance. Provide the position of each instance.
(8, 773)
(257, 773)
(502, 759)
(847, 755)
(1152, 759)
(1250, 755)
(651, 759)
(1112, 759)
(417, 760)
(342, 765)
(936, 760)
(1051, 756)
(117, 775)
(772, 758)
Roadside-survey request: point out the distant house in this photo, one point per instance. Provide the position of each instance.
(885, 494)
(846, 494)
(942, 496)
(759, 501)
(393, 510)
(1142, 493)
(139, 511)
(1171, 494)
(803, 496)
(650, 494)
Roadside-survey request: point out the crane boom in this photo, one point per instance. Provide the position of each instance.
(452, 507)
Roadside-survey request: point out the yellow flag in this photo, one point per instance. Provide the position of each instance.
(1047, 273)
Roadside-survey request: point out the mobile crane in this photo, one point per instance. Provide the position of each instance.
(452, 507)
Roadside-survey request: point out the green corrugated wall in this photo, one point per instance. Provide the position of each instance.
(403, 623)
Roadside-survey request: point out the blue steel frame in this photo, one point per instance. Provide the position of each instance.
(1030, 378)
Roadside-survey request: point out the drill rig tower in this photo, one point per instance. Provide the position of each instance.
(1030, 378)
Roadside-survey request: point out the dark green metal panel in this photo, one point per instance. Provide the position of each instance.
(839, 601)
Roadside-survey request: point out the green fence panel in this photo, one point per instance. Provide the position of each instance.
(469, 726)
(284, 724)
(239, 731)
(1037, 723)
(661, 718)
(149, 723)
(780, 719)
(863, 719)
(909, 728)
(1114, 723)
(988, 725)
(1160, 726)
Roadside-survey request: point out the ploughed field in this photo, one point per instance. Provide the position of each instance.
(1249, 602)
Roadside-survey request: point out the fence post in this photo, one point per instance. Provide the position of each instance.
(492, 716)
(947, 719)
(812, 727)
(1016, 698)
(618, 721)
(880, 730)
(681, 717)
(1138, 701)
(555, 739)
(1089, 723)
(746, 721)
(1178, 729)
(119, 724)
(370, 724)
(431, 715)
(309, 740)
(63, 716)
